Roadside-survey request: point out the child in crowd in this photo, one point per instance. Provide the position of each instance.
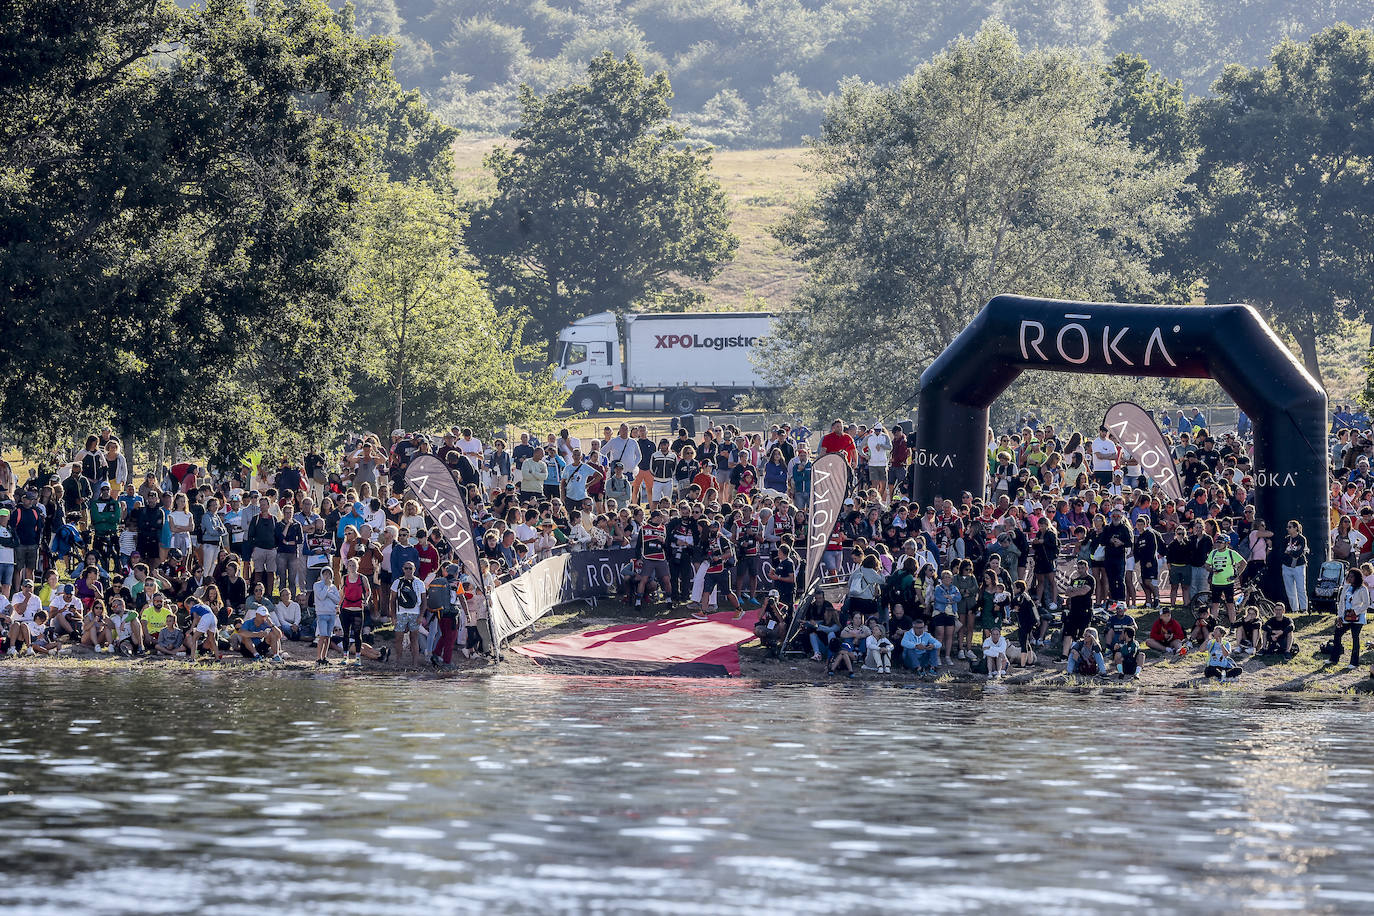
(995, 650)
(1127, 655)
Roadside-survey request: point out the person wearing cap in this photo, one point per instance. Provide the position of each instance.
(27, 523)
(257, 633)
(1116, 540)
(65, 611)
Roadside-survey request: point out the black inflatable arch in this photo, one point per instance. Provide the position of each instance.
(1229, 343)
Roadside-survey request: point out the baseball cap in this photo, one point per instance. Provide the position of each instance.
(261, 611)
(27, 583)
(392, 503)
(4, 513)
(104, 484)
(68, 589)
(398, 432)
(453, 569)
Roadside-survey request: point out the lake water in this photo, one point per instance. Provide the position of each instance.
(154, 793)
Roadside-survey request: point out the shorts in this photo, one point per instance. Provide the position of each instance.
(717, 580)
(656, 569)
(6, 573)
(896, 474)
(324, 624)
(1129, 665)
(1149, 571)
(1225, 592)
(1179, 574)
(662, 489)
(26, 556)
(1103, 477)
(265, 558)
(1198, 576)
(749, 566)
(551, 489)
(407, 623)
(1075, 622)
(943, 619)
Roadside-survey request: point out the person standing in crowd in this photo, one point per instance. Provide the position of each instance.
(1295, 560)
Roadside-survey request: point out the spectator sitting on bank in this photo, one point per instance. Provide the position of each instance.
(286, 615)
(257, 634)
(772, 625)
(1166, 633)
(1127, 654)
(920, 650)
(1220, 661)
(1085, 656)
(1278, 632)
(171, 640)
(878, 650)
(851, 638)
(995, 652)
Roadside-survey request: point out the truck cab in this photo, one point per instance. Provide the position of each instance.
(588, 360)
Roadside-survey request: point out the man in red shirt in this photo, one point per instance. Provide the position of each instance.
(1166, 633)
(837, 440)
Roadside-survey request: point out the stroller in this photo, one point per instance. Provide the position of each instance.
(1328, 586)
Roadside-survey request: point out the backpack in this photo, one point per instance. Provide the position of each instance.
(406, 597)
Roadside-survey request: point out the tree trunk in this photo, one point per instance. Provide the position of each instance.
(1306, 336)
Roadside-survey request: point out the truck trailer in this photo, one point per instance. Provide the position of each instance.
(676, 362)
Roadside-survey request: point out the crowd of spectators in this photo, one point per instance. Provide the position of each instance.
(1071, 555)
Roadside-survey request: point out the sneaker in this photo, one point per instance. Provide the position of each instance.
(29, 653)
(276, 658)
(321, 663)
(13, 652)
(1170, 650)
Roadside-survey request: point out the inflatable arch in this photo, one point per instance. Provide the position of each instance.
(1228, 343)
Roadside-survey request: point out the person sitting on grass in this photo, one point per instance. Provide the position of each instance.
(1202, 629)
(96, 629)
(26, 636)
(995, 650)
(1085, 656)
(171, 639)
(1166, 633)
(920, 650)
(286, 615)
(127, 626)
(851, 637)
(1127, 655)
(65, 611)
(257, 634)
(1117, 623)
(1249, 630)
(1220, 663)
(772, 625)
(1278, 632)
(879, 650)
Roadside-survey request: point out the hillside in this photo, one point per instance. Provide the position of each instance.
(754, 73)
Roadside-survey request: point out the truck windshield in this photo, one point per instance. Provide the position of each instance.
(573, 353)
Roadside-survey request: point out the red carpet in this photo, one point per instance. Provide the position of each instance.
(687, 648)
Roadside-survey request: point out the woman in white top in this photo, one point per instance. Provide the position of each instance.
(412, 519)
(1351, 611)
(182, 523)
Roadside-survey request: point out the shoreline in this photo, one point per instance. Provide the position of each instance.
(1302, 674)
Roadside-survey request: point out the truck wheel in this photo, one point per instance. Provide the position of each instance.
(682, 401)
(586, 400)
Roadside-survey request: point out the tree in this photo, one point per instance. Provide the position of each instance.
(598, 205)
(175, 186)
(436, 351)
(987, 171)
(1286, 181)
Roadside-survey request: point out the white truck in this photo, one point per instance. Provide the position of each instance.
(677, 361)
